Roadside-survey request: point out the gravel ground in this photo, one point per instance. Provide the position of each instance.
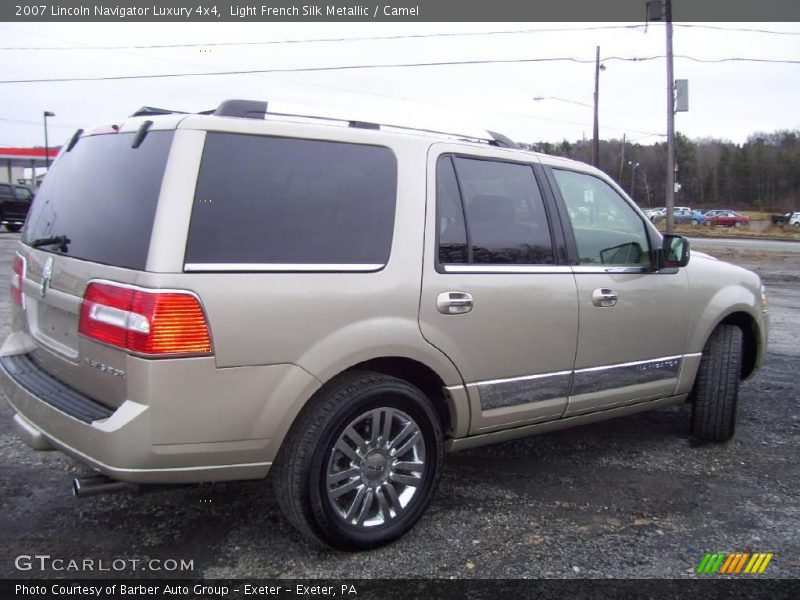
(629, 498)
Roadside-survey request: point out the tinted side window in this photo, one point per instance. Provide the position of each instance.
(505, 213)
(452, 233)
(5, 190)
(269, 200)
(608, 231)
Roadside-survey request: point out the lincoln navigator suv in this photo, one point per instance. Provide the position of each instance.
(337, 304)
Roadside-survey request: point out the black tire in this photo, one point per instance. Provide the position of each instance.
(13, 228)
(309, 454)
(716, 390)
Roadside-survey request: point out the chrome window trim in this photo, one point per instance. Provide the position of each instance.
(536, 269)
(609, 269)
(282, 267)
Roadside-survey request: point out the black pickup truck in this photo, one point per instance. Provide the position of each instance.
(780, 219)
(787, 219)
(15, 200)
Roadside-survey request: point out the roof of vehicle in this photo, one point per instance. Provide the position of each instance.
(238, 114)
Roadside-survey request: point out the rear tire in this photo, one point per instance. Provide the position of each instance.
(13, 228)
(361, 462)
(716, 390)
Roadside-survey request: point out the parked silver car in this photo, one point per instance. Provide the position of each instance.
(338, 304)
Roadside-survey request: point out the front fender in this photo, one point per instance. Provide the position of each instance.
(724, 292)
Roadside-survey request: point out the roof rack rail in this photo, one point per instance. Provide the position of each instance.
(150, 111)
(495, 139)
(257, 109)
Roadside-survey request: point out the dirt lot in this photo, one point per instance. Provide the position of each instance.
(629, 498)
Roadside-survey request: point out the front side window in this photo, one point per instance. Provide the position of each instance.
(490, 212)
(270, 202)
(608, 231)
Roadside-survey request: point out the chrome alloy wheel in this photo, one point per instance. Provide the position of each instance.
(376, 467)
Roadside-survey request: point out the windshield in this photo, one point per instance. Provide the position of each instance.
(102, 197)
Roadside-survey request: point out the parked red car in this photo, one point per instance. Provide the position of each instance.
(727, 218)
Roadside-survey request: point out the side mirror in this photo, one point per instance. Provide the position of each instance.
(674, 252)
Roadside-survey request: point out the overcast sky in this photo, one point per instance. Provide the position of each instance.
(729, 100)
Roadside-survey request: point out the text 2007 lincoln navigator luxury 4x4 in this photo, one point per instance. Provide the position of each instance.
(217, 297)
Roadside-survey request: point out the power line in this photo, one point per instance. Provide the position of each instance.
(397, 37)
(298, 70)
(736, 29)
(38, 123)
(331, 40)
(781, 61)
(399, 66)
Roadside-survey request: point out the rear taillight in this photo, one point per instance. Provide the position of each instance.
(17, 279)
(149, 322)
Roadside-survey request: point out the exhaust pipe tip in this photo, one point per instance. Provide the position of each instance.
(94, 485)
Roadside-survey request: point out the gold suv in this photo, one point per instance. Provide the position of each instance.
(216, 297)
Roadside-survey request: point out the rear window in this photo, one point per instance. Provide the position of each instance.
(102, 196)
(270, 203)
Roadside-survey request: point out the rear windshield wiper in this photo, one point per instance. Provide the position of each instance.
(61, 241)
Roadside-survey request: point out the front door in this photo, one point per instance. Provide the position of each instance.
(633, 320)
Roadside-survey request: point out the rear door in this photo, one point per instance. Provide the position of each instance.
(100, 200)
(497, 297)
(633, 320)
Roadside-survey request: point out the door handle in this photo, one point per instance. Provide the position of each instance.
(454, 303)
(604, 297)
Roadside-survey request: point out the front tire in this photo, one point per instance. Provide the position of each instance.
(361, 462)
(716, 390)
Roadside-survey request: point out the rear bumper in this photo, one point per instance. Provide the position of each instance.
(132, 443)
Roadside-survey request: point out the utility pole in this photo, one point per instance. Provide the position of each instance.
(670, 123)
(654, 13)
(596, 136)
(633, 179)
(621, 160)
(46, 114)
